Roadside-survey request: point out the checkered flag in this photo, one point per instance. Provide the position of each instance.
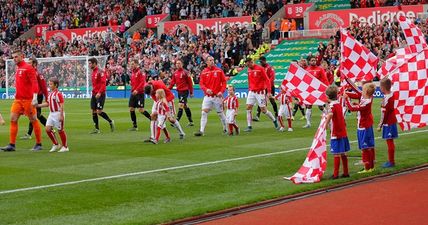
(401, 57)
(410, 90)
(414, 37)
(415, 44)
(315, 164)
(304, 86)
(357, 62)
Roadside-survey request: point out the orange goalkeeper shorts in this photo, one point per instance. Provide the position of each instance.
(23, 107)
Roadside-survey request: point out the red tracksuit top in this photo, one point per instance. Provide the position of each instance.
(99, 79)
(138, 81)
(257, 79)
(319, 73)
(212, 78)
(183, 80)
(158, 84)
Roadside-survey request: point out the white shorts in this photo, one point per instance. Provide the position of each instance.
(254, 98)
(284, 111)
(53, 120)
(230, 116)
(161, 121)
(213, 102)
(171, 107)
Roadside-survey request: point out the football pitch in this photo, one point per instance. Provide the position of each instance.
(115, 178)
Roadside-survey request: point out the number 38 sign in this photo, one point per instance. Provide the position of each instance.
(296, 10)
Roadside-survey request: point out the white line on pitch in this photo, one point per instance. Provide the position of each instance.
(168, 169)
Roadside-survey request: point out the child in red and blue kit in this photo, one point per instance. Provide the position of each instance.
(339, 143)
(365, 132)
(284, 98)
(388, 121)
(231, 104)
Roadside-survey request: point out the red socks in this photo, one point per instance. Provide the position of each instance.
(336, 166)
(158, 132)
(281, 122)
(289, 123)
(63, 137)
(165, 131)
(365, 155)
(230, 129)
(51, 135)
(391, 150)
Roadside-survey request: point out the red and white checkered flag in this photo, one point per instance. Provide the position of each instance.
(304, 86)
(315, 164)
(357, 62)
(410, 90)
(415, 44)
(401, 57)
(414, 37)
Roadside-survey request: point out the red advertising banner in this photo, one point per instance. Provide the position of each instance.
(72, 34)
(153, 20)
(40, 29)
(343, 18)
(196, 26)
(296, 10)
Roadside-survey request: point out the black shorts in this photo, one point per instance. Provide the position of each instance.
(182, 96)
(136, 101)
(98, 104)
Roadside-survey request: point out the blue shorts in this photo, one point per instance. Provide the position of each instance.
(389, 131)
(365, 138)
(339, 145)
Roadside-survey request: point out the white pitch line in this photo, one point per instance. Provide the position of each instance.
(168, 169)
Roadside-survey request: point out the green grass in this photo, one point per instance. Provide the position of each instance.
(170, 194)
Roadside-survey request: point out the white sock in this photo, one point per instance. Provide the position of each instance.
(222, 119)
(308, 116)
(270, 115)
(204, 119)
(249, 117)
(178, 127)
(152, 129)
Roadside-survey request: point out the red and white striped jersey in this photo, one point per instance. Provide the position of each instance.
(161, 107)
(231, 102)
(284, 98)
(55, 99)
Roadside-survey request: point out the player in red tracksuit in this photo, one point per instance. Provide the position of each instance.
(388, 121)
(270, 72)
(212, 82)
(258, 82)
(43, 92)
(137, 97)
(183, 80)
(365, 132)
(25, 101)
(339, 143)
(319, 73)
(99, 79)
(150, 89)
